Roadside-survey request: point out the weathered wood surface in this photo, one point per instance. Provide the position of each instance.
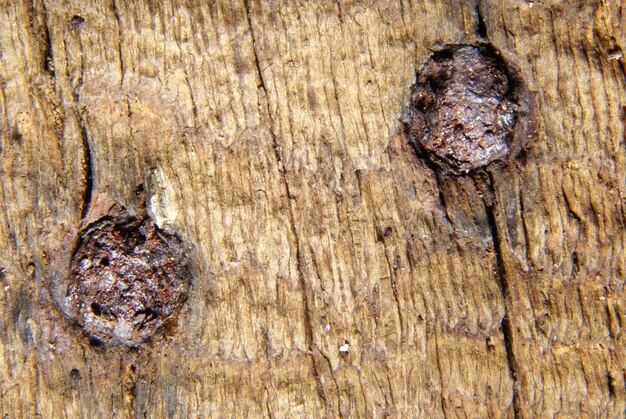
(269, 135)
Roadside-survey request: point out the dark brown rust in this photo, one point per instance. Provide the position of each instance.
(127, 277)
(464, 107)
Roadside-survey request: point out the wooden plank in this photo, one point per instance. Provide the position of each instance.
(336, 272)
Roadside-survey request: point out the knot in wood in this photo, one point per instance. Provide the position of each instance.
(464, 108)
(127, 277)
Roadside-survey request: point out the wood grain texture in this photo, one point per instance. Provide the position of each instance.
(270, 136)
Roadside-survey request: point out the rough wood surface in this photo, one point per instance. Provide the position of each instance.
(270, 136)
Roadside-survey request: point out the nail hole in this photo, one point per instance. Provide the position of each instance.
(75, 374)
(95, 342)
(77, 21)
(96, 309)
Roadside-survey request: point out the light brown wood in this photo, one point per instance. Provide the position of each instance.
(336, 274)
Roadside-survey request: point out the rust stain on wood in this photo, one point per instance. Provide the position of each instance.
(127, 276)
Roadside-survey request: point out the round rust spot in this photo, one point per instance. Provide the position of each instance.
(464, 108)
(127, 277)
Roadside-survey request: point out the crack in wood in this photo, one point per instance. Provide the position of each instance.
(88, 165)
(119, 40)
(308, 327)
(481, 27)
(48, 63)
(440, 370)
(507, 328)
